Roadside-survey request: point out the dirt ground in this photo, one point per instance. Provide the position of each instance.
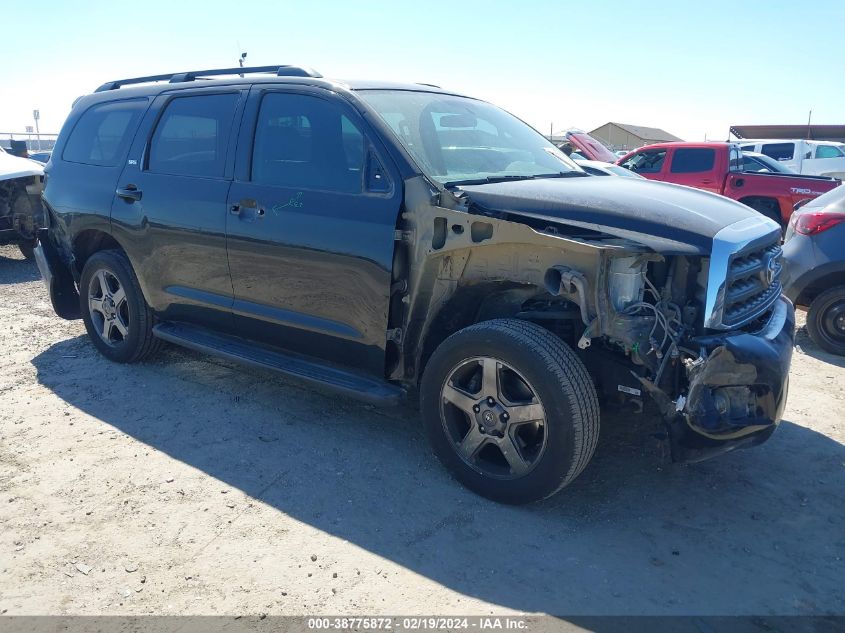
(188, 485)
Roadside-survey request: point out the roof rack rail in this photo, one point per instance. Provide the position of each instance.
(281, 71)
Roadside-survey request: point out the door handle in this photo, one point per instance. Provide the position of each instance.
(247, 209)
(130, 193)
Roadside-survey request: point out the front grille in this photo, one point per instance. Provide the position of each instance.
(752, 284)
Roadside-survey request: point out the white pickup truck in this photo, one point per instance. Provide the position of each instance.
(812, 158)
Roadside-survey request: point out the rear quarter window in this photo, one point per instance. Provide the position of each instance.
(103, 133)
(692, 160)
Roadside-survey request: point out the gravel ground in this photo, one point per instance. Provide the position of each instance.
(188, 485)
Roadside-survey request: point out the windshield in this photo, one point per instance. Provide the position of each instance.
(458, 140)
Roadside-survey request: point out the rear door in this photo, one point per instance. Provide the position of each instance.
(695, 167)
(170, 204)
(310, 227)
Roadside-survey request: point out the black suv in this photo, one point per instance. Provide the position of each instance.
(385, 239)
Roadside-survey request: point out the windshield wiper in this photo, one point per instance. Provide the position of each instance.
(563, 174)
(484, 181)
(512, 177)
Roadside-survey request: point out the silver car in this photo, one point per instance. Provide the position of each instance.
(814, 267)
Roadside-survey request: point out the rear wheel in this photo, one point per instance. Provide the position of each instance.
(117, 318)
(510, 410)
(826, 320)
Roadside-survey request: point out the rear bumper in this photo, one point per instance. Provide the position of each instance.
(737, 394)
(800, 267)
(57, 277)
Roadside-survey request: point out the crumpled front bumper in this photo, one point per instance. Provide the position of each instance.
(737, 394)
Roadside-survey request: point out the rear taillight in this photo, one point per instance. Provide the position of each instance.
(814, 222)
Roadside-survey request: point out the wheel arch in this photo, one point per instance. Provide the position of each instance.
(90, 241)
(756, 202)
(821, 281)
(468, 305)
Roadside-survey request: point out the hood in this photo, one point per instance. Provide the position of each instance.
(590, 147)
(14, 167)
(669, 219)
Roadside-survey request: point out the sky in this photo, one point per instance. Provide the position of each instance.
(691, 68)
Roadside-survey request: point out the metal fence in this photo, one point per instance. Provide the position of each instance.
(34, 142)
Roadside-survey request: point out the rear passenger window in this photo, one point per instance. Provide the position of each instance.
(778, 151)
(103, 133)
(691, 160)
(192, 136)
(307, 142)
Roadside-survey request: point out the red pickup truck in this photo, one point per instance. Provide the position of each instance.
(717, 167)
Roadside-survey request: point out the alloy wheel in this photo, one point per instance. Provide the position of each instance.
(493, 418)
(108, 307)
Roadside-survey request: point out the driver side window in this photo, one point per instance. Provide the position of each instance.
(648, 162)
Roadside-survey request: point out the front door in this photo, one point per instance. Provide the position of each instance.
(310, 226)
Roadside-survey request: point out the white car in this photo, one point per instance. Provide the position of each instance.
(811, 158)
(20, 207)
(598, 168)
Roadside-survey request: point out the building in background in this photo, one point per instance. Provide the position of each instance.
(622, 136)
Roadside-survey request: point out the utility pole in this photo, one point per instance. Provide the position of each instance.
(36, 114)
(241, 61)
(809, 118)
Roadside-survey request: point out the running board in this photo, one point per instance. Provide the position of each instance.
(311, 371)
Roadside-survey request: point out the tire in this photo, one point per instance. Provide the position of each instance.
(27, 249)
(532, 367)
(826, 320)
(124, 318)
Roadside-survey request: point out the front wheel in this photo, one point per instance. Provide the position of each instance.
(510, 410)
(118, 320)
(826, 320)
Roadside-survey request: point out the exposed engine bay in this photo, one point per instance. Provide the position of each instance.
(642, 321)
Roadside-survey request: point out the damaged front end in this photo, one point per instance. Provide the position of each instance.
(737, 389)
(697, 326)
